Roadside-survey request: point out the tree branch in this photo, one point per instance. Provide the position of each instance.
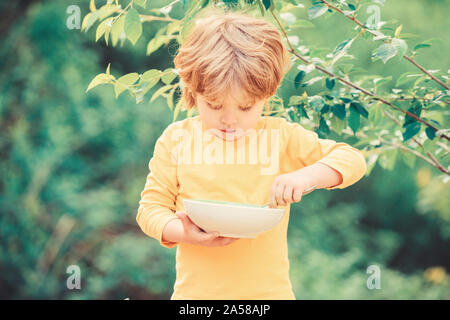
(352, 85)
(417, 154)
(329, 5)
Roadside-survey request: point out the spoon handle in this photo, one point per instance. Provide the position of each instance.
(309, 190)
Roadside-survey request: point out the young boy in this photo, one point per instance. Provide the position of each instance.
(230, 64)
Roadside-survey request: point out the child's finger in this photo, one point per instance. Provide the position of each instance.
(210, 236)
(184, 218)
(287, 195)
(279, 195)
(297, 196)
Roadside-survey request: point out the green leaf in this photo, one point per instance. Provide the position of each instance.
(205, 3)
(421, 45)
(400, 45)
(360, 108)
(102, 28)
(431, 133)
(339, 111)
(380, 81)
(317, 102)
(231, 3)
(330, 83)
(302, 111)
(354, 119)
(387, 159)
(415, 109)
(160, 91)
(346, 100)
(397, 31)
(411, 130)
(155, 44)
(267, 4)
(117, 29)
(293, 115)
(386, 51)
(337, 124)
(325, 109)
(170, 99)
(341, 46)
(312, 81)
(420, 80)
(89, 20)
(294, 100)
(125, 82)
(370, 162)
(168, 76)
(299, 78)
(101, 78)
(150, 77)
(433, 41)
(316, 11)
(376, 114)
(406, 77)
(173, 27)
(133, 26)
(261, 7)
(151, 74)
(408, 158)
(177, 109)
(323, 126)
(106, 10)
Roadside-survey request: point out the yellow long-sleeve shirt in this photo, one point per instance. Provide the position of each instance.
(189, 162)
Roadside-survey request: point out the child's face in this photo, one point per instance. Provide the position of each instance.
(236, 112)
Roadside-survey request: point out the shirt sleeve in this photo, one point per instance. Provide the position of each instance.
(307, 148)
(157, 204)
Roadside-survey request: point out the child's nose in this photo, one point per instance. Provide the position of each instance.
(228, 120)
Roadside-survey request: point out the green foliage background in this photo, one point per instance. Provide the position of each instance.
(73, 166)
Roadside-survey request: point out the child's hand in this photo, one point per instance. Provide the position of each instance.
(289, 187)
(194, 235)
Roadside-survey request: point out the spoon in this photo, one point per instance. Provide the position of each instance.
(304, 192)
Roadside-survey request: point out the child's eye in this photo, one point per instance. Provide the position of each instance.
(214, 107)
(246, 109)
(220, 107)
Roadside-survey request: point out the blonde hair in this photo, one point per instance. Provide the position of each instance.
(231, 50)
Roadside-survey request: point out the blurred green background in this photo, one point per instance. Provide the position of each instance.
(73, 166)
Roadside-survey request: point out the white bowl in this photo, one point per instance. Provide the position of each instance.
(232, 219)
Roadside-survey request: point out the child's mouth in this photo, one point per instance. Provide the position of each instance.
(228, 131)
